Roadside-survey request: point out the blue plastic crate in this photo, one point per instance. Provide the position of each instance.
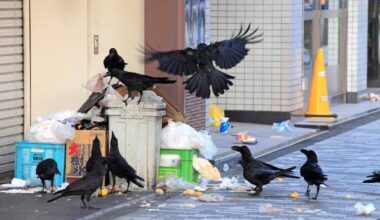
(29, 154)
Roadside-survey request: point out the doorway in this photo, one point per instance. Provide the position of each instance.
(325, 25)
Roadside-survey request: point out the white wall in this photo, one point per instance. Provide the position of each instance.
(269, 79)
(357, 45)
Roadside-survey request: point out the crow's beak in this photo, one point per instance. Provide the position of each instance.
(304, 151)
(236, 148)
(107, 74)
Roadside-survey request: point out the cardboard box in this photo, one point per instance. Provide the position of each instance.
(79, 150)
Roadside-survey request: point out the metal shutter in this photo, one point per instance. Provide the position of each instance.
(11, 81)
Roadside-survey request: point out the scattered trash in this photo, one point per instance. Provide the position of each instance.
(188, 205)
(286, 126)
(150, 96)
(191, 192)
(162, 205)
(50, 131)
(38, 195)
(216, 114)
(15, 183)
(145, 205)
(212, 197)
(228, 184)
(226, 167)
(294, 195)
(104, 192)
(173, 183)
(206, 147)
(159, 191)
(364, 209)
(201, 188)
(349, 196)
(206, 169)
(268, 208)
(224, 125)
(153, 210)
(298, 211)
(372, 97)
(280, 180)
(245, 138)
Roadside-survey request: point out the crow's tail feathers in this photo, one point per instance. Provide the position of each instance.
(290, 176)
(282, 172)
(55, 198)
(134, 180)
(163, 80)
(200, 82)
(372, 181)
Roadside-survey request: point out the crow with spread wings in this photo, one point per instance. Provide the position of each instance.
(199, 62)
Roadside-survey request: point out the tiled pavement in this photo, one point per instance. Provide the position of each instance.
(346, 158)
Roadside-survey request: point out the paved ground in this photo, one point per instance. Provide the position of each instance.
(346, 158)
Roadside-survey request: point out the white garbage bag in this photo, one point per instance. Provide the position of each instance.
(178, 135)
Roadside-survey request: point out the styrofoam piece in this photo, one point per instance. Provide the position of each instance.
(138, 129)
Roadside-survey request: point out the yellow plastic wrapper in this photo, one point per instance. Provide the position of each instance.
(216, 114)
(294, 195)
(191, 192)
(206, 169)
(103, 192)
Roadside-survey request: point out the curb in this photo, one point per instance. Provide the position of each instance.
(231, 157)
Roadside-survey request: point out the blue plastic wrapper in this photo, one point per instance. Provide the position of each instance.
(285, 126)
(224, 125)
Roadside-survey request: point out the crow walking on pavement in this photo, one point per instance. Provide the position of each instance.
(137, 82)
(247, 157)
(374, 178)
(96, 155)
(85, 186)
(46, 170)
(312, 172)
(261, 176)
(199, 62)
(119, 166)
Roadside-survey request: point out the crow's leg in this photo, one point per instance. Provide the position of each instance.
(126, 101)
(88, 197)
(129, 182)
(113, 181)
(84, 203)
(141, 94)
(43, 186)
(52, 184)
(307, 193)
(316, 195)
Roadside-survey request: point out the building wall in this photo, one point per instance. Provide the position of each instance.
(357, 46)
(269, 79)
(61, 49)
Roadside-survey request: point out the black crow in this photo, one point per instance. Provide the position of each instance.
(137, 82)
(374, 178)
(312, 172)
(85, 186)
(96, 155)
(247, 157)
(260, 176)
(199, 62)
(46, 170)
(119, 166)
(114, 60)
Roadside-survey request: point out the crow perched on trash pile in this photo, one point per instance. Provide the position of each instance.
(199, 62)
(119, 166)
(114, 61)
(247, 157)
(374, 178)
(137, 82)
(261, 176)
(85, 186)
(46, 170)
(96, 155)
(312, 172)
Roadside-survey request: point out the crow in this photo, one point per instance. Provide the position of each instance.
(261, 176)
(119, 166)
(96, 155)
(199, 62)
(46, 170)
(247, 157)
(85, 186)
(312, 172)
(375, 178)
(114, 61)
(137, 82)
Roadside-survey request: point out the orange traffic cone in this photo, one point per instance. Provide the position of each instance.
(318, 105)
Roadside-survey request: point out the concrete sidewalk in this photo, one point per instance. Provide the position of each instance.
(270, 141)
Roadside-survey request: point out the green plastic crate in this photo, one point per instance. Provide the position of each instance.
(185, 169)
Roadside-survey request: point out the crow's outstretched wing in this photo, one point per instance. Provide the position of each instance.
(228, 53)
(177, 62)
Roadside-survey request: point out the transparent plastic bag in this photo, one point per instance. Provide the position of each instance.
(206, 147)
(178, 135)
(50, 131)
(96, 83)
(171, 182)
(285, 126)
